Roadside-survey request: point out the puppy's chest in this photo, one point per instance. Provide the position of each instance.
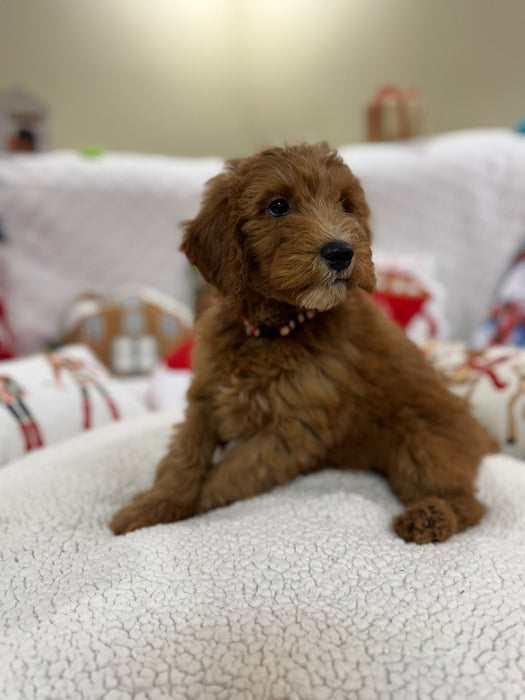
(245, 401)
(253, 387)
(256, 393)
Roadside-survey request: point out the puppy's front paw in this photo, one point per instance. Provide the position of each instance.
(430, 520)
(149, 509)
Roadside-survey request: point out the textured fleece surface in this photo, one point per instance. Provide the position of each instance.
(301, 593)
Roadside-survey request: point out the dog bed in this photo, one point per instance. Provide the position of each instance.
(304, 592)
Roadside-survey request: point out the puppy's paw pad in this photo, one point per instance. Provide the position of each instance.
(430, 520)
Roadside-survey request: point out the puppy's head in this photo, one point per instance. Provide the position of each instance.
(290, 224)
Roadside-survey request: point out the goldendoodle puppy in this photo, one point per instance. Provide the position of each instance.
(296, 368)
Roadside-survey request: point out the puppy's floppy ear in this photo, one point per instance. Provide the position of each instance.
(212, 240)
(364, 275)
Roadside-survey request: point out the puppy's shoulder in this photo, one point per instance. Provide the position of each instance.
(217, 331)
(218, 319)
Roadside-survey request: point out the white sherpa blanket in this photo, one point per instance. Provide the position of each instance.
(301, 593)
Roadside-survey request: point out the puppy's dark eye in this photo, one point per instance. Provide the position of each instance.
(279, 207)
(346, 205)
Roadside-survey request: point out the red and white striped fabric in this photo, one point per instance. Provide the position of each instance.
(45, 399)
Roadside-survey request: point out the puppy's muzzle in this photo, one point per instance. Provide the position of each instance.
(337, 255)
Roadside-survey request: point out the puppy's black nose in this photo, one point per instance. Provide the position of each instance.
(338, 255)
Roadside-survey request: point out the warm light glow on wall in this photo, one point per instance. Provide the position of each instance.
(226, 76)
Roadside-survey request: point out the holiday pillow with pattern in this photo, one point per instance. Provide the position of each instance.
(505, 324)
(409, 294)
(493, 382)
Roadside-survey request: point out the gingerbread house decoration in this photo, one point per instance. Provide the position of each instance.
(23, 122)
(131, 330)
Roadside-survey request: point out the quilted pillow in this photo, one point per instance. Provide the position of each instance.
(493, 382)
(47, 398)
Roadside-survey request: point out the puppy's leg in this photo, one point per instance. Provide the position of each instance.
(264, 461)
(179, 476)
(438, 492)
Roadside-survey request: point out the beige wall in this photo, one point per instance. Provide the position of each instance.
(196, 77)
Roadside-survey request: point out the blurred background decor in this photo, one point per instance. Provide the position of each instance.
(395, 114)
(23, 122)
(131, 330)
(505, 322)
(7, 348)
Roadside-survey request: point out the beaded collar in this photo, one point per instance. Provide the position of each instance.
(284, 331)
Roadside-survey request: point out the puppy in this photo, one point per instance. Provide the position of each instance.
(296, 369)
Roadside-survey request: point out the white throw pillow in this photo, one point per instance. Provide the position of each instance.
(47, 398)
